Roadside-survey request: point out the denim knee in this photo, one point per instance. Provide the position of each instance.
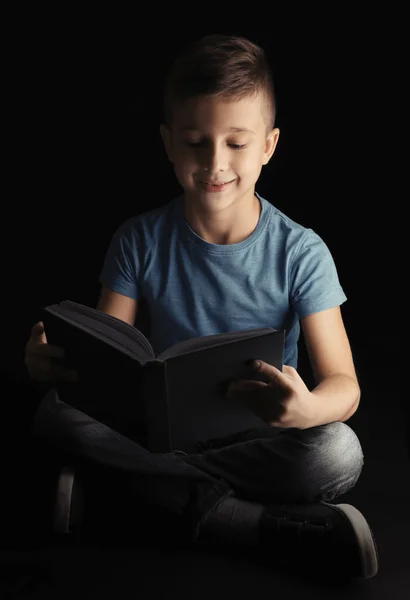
(334, 460)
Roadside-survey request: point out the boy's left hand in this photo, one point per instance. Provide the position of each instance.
(283, 402)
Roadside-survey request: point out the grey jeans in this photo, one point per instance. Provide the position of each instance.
(268, 465)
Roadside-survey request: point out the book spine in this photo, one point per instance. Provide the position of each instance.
(155, 394)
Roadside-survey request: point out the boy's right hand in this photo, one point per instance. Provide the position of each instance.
(39, 357)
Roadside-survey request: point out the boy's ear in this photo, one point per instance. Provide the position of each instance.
(166, 135)
(270, 145)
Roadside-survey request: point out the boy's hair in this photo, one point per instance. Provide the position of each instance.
(219, 65)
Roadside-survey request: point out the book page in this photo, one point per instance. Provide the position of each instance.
(120, 331)
(208, 341)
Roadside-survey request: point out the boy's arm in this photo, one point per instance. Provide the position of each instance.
(117, 305)
(337, 388)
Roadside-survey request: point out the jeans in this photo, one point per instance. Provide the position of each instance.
(268, 465)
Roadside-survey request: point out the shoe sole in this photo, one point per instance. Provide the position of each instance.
(364, 537)
(62, 510)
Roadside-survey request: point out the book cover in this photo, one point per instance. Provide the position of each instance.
(167, 402)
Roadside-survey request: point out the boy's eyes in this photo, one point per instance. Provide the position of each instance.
(203, 143)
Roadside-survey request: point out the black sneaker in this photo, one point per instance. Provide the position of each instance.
(319, 540)
(69, 504)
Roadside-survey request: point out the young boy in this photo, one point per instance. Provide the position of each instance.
(222, 258)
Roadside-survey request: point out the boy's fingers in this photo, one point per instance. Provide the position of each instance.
(38, 327)
(47, 371)
(46, 351)
(38, 371)
(38, 333)
(63, 374)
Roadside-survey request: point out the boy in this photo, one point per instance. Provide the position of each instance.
(252, 267)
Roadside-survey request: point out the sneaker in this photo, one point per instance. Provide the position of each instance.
(69, 504)
(324, 540)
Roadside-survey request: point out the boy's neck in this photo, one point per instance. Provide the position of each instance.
(232, 226)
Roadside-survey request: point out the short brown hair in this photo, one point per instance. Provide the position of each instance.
(220, 65)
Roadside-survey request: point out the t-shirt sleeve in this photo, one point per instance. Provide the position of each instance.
(314, 281)
(121, 266)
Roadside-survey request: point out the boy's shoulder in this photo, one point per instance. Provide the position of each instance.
(285, 220)
(148, 218)
(282, 225)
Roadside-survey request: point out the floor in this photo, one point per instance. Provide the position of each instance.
(60, 570)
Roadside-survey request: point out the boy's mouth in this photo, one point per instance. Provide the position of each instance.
(215, 187)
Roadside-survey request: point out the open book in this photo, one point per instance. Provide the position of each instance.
(169, 401)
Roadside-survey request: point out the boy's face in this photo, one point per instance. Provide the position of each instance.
(218, 147)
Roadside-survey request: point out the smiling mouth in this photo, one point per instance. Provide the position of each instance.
(218, 183)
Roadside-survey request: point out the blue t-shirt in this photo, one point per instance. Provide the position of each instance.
(281, 273)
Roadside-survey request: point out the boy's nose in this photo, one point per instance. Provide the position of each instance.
(215, 162)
